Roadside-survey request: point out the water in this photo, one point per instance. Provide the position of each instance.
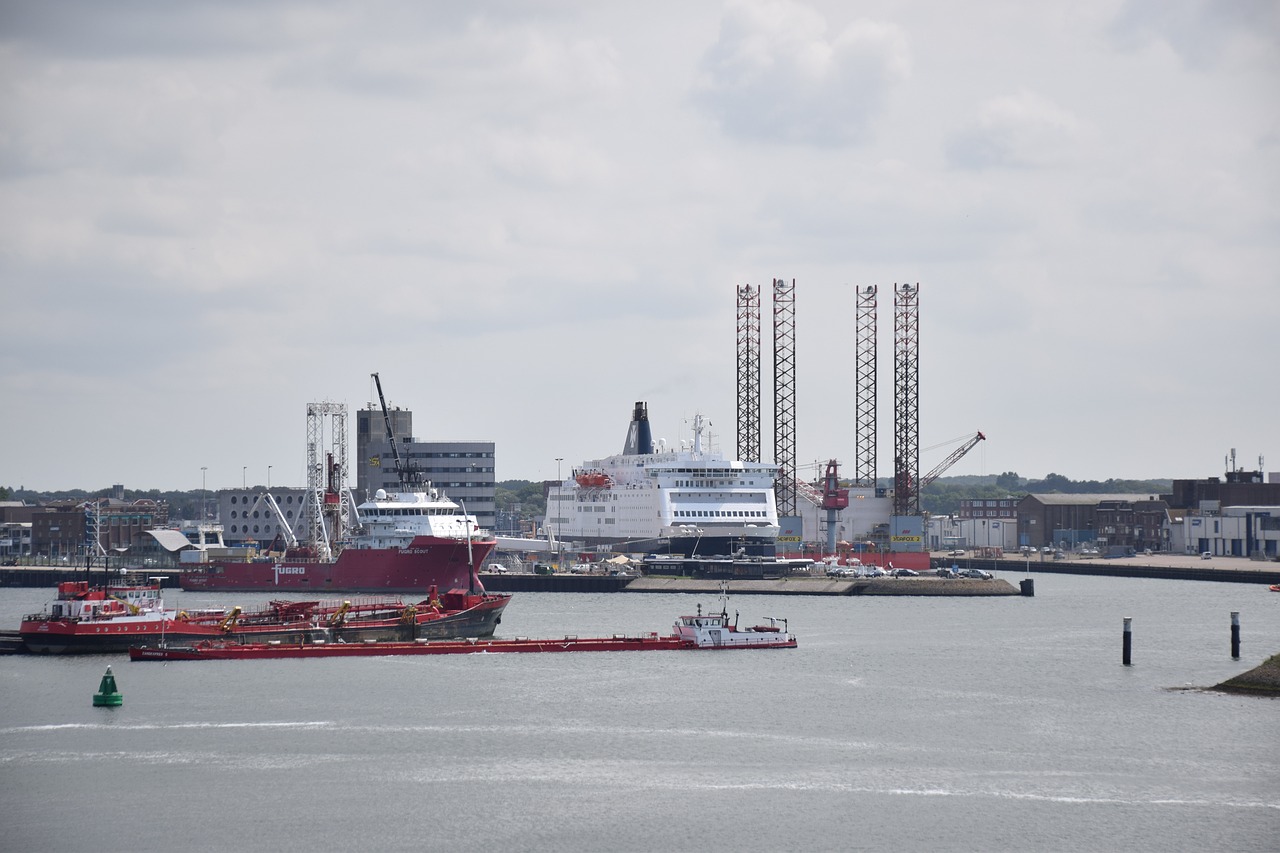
(899, 724)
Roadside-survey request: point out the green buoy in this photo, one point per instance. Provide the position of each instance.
(107, 696)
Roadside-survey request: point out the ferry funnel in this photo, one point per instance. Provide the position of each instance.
(639, 437)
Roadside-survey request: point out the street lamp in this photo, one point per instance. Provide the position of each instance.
(244, 477)
(559, 504)
(204, 495)
(268, 478)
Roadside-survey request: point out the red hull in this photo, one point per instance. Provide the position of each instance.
(457, 616)
(259, 651)
(447, 564)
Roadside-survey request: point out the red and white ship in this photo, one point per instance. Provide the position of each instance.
(405, 542)
(114, 617)
(409, 540)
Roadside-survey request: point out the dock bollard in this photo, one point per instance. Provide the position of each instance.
(1127, 654)
(1235, 635)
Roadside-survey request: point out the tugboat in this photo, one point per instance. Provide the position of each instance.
(715, 631)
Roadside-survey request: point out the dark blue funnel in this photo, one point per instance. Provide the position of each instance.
(639, 438)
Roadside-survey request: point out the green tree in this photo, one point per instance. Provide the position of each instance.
(1009, 480)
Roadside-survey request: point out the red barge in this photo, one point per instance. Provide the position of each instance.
(712, 631)
(113, 618)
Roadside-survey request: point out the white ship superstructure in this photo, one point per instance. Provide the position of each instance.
(688, 500)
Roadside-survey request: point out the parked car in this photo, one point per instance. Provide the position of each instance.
(905, 573)
(496, 568)
(958, 552)
(976, 573)
(947, 572)
(542, 569)
(1206, 555)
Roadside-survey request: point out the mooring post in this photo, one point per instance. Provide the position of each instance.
(1127, 655)
(1235, 635)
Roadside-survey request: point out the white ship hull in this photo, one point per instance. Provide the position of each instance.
(686, 500)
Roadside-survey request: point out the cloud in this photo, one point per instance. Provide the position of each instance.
(775, 75)
(1203, 33)
(1016, 131)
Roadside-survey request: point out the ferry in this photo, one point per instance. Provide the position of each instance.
(650, 498)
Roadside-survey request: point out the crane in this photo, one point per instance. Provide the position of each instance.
(407, 476)
(952, 458)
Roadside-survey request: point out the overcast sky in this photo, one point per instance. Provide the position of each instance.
(526, 216)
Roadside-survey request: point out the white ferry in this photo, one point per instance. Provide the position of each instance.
(688, 501)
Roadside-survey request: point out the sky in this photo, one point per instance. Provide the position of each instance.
(527, 216)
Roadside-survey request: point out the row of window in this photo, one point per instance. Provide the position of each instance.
(480, 455)
(419, 511)
(718, 513)
(256, 512)
(720, 497)
(265, 528)
(249, 499)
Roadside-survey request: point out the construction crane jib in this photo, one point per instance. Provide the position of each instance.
(952, 458)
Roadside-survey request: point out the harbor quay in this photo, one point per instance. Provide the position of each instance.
(1008, 573)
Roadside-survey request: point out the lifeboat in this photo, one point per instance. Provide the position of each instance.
(593, 479)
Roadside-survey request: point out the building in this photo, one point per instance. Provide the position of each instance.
(1241, 488)
(246, 519)
(1003, 509)
(462, 470)
(994, 536)
(1238, 531)
(64, 529)
(1132, 525)
(1069, 521)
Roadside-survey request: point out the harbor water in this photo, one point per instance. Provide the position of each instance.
(898, 724)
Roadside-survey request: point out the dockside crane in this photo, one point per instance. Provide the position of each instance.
(952, 458)
(407, 474)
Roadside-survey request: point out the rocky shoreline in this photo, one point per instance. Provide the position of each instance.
(1262, 680)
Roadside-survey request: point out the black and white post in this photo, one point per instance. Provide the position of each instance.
(1235, 635)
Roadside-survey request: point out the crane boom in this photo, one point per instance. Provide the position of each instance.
(952, 458)
(402, 473)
